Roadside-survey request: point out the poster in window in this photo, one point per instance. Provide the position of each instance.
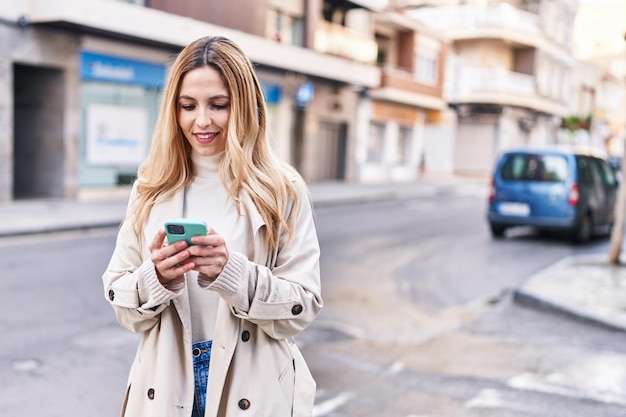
(116, 135)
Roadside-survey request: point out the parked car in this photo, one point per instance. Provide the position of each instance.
(566, 190)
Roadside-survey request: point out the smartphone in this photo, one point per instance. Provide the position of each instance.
(184, 229)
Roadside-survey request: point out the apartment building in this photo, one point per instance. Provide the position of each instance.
(349, 131)
(350, 86)
(406, 105)
(599, 40)
(509, 78)
(312, 105)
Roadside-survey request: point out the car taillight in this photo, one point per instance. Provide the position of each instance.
(492, 191)
(574, 195)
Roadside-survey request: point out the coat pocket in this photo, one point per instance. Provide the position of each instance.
(286, 379)
(304, 385)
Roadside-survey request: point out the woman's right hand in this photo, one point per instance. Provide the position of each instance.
(169, 260)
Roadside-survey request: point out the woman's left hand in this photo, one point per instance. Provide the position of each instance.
(209, 254)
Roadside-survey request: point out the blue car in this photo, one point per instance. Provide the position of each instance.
(570, 191)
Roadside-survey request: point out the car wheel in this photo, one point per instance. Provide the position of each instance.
(582, 231)
(496, 230)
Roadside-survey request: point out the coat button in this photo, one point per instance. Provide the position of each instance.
(244, 404)
(297, 309)
(111, 295)
(151, 393)
(245, 335)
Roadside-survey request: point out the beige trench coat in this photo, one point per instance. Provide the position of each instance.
(256, 369)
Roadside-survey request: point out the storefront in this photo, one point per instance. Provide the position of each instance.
(393, 149)
(119, 102)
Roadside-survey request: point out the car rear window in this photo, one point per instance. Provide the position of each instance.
(534, 167)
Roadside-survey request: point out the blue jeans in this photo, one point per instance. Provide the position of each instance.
(201, 352)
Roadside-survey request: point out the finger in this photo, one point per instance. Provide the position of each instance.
(213, 240)
(211, 264)
(158, 240)
(174, 266)
(203, 251)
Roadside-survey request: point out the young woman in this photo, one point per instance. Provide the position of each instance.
(217, 318)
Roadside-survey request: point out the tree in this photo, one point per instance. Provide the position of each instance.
(617, 234)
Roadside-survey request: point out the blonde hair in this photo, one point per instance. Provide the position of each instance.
(248, 165)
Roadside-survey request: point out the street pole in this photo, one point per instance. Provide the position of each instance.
(617, 234)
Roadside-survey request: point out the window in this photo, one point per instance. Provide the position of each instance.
(605, 172)
(405, 140)
(529, 167)
(284, 27)
(427, 60)
(427, 69)
(584, 171)
(376, 143)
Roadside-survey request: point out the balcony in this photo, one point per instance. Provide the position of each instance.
(498, 86)
(463, 19)
(502, 22)
(122, 20)
(401, 86)
(334, 39)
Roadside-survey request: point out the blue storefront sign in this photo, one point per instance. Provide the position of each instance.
(272, 93)
(100, 67)
(304, 94)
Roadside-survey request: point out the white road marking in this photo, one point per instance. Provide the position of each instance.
(332, 404)
(486, 398)
(395, 368)
(561, 385)
(25, 365)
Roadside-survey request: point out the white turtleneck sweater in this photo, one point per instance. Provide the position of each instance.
(206, 199)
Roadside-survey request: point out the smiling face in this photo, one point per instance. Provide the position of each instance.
(204, 110)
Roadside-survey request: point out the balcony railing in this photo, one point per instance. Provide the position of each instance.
(502, 87)
(334, 39)
(397, 78)
(401, 79)
(474, 80)
(470, 17)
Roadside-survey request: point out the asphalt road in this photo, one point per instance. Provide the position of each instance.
(418, 322)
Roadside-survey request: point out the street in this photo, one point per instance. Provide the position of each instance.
(418, 321)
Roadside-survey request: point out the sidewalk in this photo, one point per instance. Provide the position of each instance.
(106, 208)
(584, 287)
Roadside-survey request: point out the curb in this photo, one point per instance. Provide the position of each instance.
(347, 201)
(58, 229)
(524, 298)
(587, 274)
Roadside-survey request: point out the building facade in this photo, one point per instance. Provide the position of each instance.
(80, 89)
(599, 41)
(348, 131)
(509, 78)
(357, 90)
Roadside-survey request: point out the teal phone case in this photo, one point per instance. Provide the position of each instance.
(184, 229)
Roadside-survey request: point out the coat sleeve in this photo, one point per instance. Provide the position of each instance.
(130, 282)
(285, 299)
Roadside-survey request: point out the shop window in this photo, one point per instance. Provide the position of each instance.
(113, 159)
(405, 145)
(375, 146)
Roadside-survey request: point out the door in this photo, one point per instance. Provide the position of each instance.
(607, 184)
(331, 164)
(38, 125)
